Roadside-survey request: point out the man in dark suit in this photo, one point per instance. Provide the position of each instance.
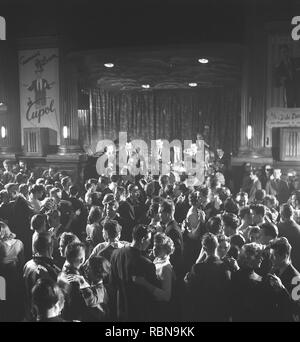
(127, 212)
(278, 187)
(208, 285)
(291, 230)
(40, 267)
(39, 86)
(133, 303)
(166, 212)
(284, 270)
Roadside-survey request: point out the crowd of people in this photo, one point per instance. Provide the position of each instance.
(148, 248)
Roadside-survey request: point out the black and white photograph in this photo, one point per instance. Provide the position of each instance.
(149, 163)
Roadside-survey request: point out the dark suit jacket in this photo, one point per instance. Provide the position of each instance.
(173, 231)
(133, 302)
(37, 268)
(207, 289)
(127, 214)
(291, 230)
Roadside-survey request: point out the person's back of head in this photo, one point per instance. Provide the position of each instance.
(47, 299)
(140, 233)
(75, 254)
(230, 206)
(98, 268)
(210, 243)
(250, 255)
(281, 247)
(73, 191)
(38, 223)
(95, 215)
(167, 206)
(259, 195)
(237, 240)
(43, 244)
(215, 225)
(231, 222)
(111, 230)
(286, 211)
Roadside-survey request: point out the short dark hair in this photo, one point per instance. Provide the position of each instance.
(281, 246)
(237, 240)
(43, 242)
(286, 211)
(230, 220)
(269, 229)
(99, 266)
(214, 225)
(259, 209)
(210, 242)
(167, 206)
(95, 215)
(37, 222)
(260, 194)
(73, 190)
(244, 211)
(139, 233)
(112, 228)
(230, 206)
(73, 249)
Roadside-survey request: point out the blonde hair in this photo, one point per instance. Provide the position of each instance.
(5, 232)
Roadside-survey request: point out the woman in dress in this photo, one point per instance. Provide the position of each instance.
(164, 295)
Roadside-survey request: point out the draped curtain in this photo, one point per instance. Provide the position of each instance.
(167, 114)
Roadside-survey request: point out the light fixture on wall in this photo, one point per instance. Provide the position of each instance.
(203, 60)
(3, 132)
(249, 133)
(109, 65)
(146, 86)
(193, 84)
(65, 132)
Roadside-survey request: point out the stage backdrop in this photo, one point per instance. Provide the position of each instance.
(165, 114)
(39, 91)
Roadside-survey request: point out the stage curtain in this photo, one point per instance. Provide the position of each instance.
(167, 114)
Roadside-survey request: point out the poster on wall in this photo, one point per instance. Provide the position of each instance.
(283, 89)
(39, 91)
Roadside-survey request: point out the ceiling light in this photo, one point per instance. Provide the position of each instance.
(193, 84)
(109, 65)
(203, 60)
(145, 86)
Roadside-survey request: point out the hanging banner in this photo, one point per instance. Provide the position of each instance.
(283, 117)
(39, 91)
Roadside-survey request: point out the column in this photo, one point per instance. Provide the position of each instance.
(10, 126)
(69, 108)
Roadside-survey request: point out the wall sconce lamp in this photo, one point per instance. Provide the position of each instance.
(3, 132)
(249, 133)
(65, 132)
